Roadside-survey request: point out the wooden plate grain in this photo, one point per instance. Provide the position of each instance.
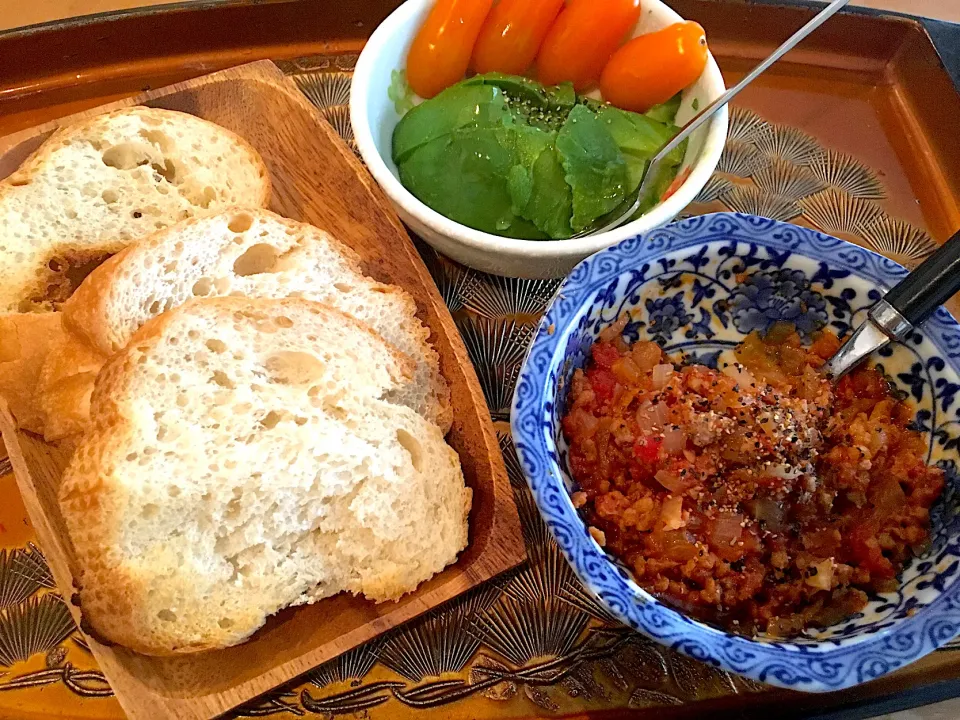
(316, 179)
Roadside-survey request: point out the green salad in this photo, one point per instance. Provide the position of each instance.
(508, 156)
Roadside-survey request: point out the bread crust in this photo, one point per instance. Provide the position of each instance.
(26, 342)
(63, 390)
(49, 285)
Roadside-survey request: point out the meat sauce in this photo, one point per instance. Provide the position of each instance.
(758, 496)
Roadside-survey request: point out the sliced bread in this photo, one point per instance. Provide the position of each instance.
(97, 185)
(253, 253)
(243, 458)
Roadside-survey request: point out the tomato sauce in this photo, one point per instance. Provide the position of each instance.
(757, 496)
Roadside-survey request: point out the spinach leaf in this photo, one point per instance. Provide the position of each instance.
(526, 143)
(464, 175)
(639, 139)
(636, 134)
(548, 201)
(530, 102)
(594, 166)
(508, 156)
(460, 106)
(658, 186)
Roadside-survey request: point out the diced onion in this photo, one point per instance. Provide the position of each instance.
(676, 545)
(651, 417)
(726, 529)
(768, 423)
(659, 414)
(671, 481)
(644, 421)
(626, 370)
(646, 355)
(671, 513)
(674, 441)
(784, 471)
(768, 511)
(661, 376)
(612, 332)
(820, 574)
(739, 373)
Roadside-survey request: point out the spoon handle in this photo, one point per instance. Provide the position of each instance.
(704, 115)
(928, 287)
(708, 112)
(907, 305)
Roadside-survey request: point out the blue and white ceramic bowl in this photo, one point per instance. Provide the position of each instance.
(699, 287)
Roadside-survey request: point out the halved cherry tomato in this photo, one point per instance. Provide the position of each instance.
(675, 185)
(441, 51)
(583, 38)
(651, 69)
(512, 35)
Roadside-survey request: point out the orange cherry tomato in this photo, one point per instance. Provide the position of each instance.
(651, 69)
(441, 51)
(582, 40)
(512, 35)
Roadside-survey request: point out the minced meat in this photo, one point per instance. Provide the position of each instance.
(756, 496)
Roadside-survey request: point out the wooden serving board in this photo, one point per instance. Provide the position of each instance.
(318, 180)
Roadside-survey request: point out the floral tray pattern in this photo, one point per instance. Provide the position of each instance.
(533, 643)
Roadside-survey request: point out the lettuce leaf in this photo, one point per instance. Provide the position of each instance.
(665, 112)
(400, 92)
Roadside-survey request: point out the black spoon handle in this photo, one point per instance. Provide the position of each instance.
(928, 287)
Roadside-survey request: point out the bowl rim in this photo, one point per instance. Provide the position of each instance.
(811, 666)
(701, 169)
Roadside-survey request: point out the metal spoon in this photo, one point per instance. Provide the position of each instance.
(621, 216)
(911, 302)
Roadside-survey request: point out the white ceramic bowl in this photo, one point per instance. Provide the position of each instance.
(374, 118)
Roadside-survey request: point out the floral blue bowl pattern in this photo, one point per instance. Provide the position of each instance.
(698, 287)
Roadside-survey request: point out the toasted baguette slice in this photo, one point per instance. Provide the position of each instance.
(242, 459)
(257, 254)
(95, 186)
(26, 341)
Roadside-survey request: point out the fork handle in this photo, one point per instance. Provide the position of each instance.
(928, 287)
